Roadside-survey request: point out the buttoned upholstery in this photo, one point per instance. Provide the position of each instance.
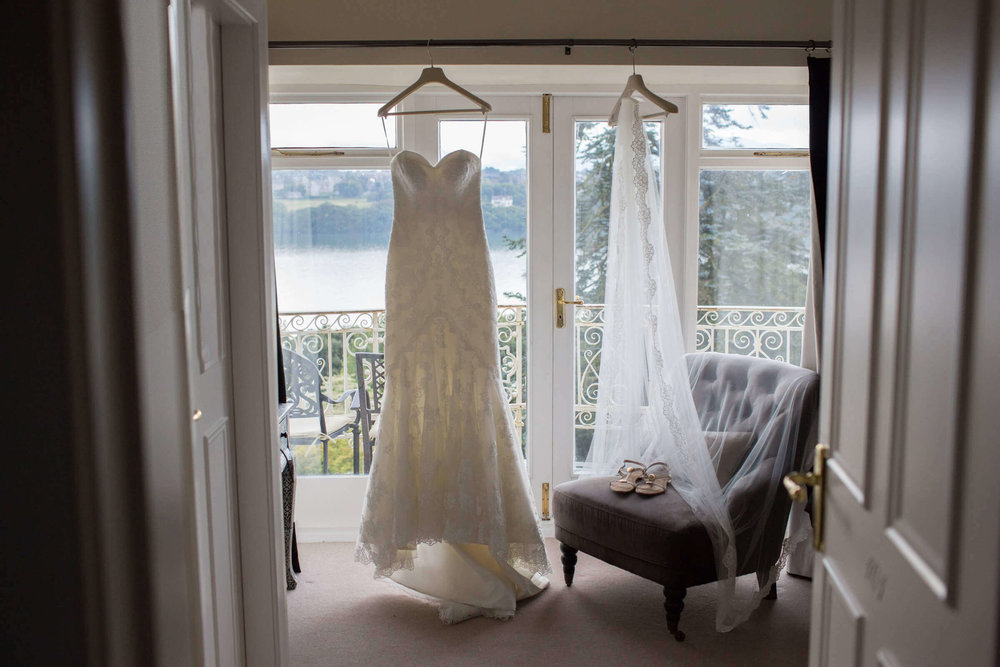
(659, 537)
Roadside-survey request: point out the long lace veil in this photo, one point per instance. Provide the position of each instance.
(645, 406)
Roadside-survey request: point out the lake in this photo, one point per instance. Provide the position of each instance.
(330, 280)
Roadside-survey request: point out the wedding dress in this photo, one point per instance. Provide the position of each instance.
(448, 513)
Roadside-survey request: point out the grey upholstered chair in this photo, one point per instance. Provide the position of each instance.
(659, 537)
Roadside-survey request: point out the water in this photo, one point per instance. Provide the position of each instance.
(331, 280)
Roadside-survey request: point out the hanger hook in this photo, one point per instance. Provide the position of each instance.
(430, 56)
(812, 46)
(631, 49)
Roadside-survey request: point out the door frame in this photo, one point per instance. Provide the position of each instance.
(243, 26)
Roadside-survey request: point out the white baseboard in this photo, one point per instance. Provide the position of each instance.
(326, 534)
(310, 534)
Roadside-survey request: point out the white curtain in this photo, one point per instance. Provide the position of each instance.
(800, 560)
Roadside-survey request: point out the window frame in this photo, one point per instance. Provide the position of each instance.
(345, 157)
(737, 159)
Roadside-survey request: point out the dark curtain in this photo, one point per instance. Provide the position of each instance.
(819, 132)
(282, 395)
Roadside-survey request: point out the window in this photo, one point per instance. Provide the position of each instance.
(307, 126)
(743, 283)
(742, 126)
(333, 215)
(754, 229)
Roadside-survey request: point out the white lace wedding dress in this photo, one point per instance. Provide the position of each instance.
(448, 513)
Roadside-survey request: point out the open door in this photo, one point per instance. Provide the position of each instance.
(909, 570)
(218, 67)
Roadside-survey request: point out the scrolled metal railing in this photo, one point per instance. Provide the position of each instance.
(759, 331)
(331, 339)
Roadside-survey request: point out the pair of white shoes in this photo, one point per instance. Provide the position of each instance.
(638, 478)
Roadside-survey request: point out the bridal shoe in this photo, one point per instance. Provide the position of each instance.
(654, 484)
(628, 477)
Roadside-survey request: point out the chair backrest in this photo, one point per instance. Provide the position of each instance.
(761, 383)
(371, 386)
(303, 388)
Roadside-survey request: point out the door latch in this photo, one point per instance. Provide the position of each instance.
(796, 482)
(561, 304)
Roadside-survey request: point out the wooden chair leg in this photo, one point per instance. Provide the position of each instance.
(673, 604)
(568, 562)
(772, 593)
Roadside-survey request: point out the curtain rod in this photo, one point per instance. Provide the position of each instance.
(567, 44)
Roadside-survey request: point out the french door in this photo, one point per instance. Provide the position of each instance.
(517, 208)
(567, 163)
(546, 182)
(583, 155)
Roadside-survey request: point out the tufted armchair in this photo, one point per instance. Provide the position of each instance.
(659, 537)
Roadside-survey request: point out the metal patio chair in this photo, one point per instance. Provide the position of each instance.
(368, 401)
(308, 421)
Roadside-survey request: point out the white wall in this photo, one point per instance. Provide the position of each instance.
(552, 19)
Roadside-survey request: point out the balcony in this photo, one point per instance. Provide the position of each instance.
(331, 340)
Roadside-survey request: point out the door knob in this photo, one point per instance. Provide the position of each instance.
(796, 482)
(561, 304)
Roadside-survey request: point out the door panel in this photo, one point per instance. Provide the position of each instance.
(218, 460)
(841, 637)
(582, 164)
(909, 574)
(197, 54)
(514, 125)
(859, 241)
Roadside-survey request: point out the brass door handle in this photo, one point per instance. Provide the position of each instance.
(561, 304)
(796, 482)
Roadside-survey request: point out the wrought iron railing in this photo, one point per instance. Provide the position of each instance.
(771, 332)
(332, 339)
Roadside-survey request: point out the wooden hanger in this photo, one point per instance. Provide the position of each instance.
(433, 75)
(634, 85)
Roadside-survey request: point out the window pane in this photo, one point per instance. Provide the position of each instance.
(329, 126)
(775, 126)
(331, 237)
(753, 261)
(594, 159)
(505, 195)
(505, 217)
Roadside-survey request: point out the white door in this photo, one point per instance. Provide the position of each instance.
(515, 141)
(909, 572)
(202, 214)
(582, 154)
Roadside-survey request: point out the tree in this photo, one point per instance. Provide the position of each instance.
(596, 150)
(754, 237)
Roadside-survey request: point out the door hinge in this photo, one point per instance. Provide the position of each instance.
(546, 113)
(545, 501)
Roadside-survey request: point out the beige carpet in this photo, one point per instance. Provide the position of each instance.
(339, 615)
